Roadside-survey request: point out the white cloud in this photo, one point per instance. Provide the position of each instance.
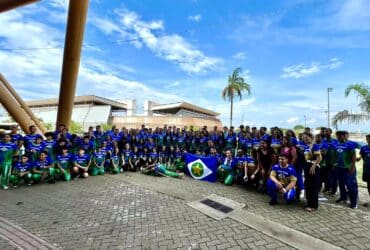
(35, 73)
(301, 70)
(105, 25)
(195, 18)
(292, 120)
(239, 56)
(171, 47)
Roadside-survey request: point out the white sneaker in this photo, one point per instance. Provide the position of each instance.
(302, 194)
(5, 187)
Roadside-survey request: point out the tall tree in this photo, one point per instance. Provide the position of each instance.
(363, 95)
(235, 88)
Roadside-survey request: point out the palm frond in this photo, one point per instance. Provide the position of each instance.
(361, 90)
(345, 115)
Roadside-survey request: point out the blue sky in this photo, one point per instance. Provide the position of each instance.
(169, 51)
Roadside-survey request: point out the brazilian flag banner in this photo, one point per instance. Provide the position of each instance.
(201, 168)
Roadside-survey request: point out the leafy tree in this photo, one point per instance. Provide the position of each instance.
(75, 128)
(106, 126)
(298, 127)
(235, 88)
(363, 95)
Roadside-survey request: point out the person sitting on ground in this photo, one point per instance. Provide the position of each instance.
(153, 159)
(21, 171)
(43, 169)
(226, 171)
(283, 179)
(81, 163)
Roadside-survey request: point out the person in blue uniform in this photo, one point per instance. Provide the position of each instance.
(346, 169)
(282, 179)
(98, 162)
(7, 151)
(81, 163)
(63, 165)
(365, 155)
(21, 172)
(43, 168)
(226, 171)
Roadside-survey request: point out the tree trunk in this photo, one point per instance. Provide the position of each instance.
(231, 111)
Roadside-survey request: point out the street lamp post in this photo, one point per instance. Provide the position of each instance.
(305, 121)
(329, 91)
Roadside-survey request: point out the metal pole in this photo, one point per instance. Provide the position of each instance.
(329, 90)
(305, 121)
(6, 5)
(71, 60)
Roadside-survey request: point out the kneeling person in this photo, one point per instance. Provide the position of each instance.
(283, 179)
(21, 171)
(81, 163)
(98, 162)
(63, 165)
(43, 168)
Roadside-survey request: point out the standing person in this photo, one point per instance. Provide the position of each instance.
(266, 158)
(32, 136)
(346, 170)
(17, 139)
(311, 167)
(49, 145)
(330, 160)
(282, 179)
(365, 155)
(7, 151)
(324, 173)
(34, 148)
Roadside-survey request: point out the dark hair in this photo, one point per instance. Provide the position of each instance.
(340, 132)
(47, 134)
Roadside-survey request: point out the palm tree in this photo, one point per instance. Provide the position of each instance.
(363, 94)
(235, 87)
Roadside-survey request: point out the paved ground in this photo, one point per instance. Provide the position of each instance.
(136, 211)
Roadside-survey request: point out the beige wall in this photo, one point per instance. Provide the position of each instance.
(160, 121)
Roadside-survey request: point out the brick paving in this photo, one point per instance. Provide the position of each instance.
(134, 211)
(111, 212)
(336, 224)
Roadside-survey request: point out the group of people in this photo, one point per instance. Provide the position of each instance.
(273, 163)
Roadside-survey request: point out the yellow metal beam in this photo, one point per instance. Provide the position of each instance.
(6, 5)
(77, 14)
(13, 108)
(23, 104)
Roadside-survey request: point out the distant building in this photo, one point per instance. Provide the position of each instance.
(93, 110)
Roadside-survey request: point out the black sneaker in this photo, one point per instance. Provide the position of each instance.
(341, 200)
(273, 202)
